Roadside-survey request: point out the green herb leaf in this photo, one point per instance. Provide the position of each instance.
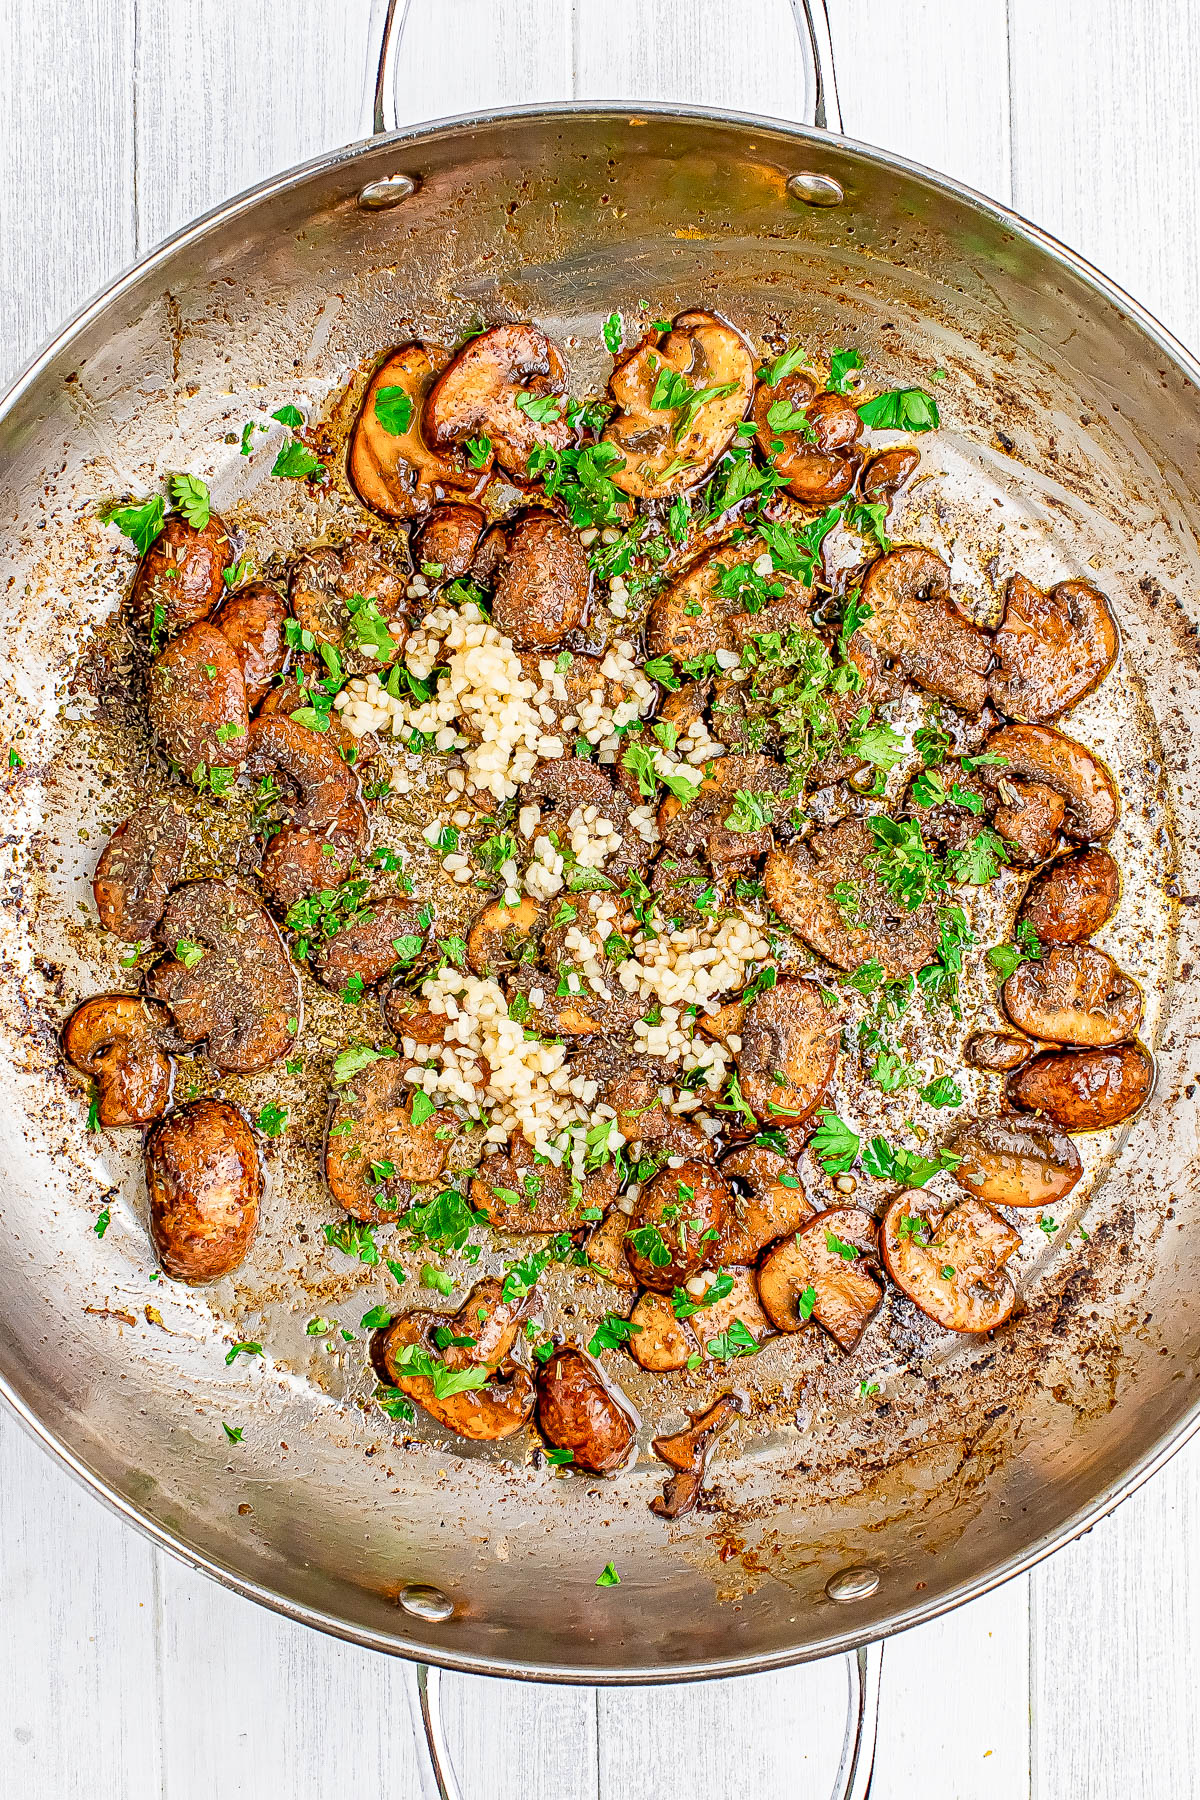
(358, 1056)
(272, 1119)
(233, 1432)
(141, 524)
(901, 409)
(191, 497)
(608, 1576)
(242, 1349)
(478, 450)
(296, 462)
(393, 410)
(611, 1332)
(836, 1146)
(422, 1106)
(750, 812)
(613, 333)
(841, 364)
(736, 1341)
(378, 1319)
(103, 1221)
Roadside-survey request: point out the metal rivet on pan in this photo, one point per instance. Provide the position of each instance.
(852, 1584)
(377, 196)
(814, 189)
(428, 1603)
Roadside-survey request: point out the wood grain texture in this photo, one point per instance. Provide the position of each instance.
(127, 1676)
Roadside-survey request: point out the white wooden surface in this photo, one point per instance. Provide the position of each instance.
(122, 1675)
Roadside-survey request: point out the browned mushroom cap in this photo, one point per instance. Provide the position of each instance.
(915, 623)
(768, 1203)
(1073, 898)
(1075, 995)
(605, 1250)
(817, 454)
(678, 1217)
(635, 1091)
(496, 1410)
(137, 868)
(382, 934)
(1084, 1090)
(324, 784)
(205, 1185)
(788, 1051)
(806, 881)
(723, 804)
(1040, 754)
(571, 690)
(299, 861)
(501, 936)
(543, 586)
(886, 473)
(1028, 817)
(181, 573)
(687, 1453)
(950, 1264)
(114, 1038)
(492, 389)
(691, 617)
(660, 1342)
(558, 787)
(447, 541)
(668, 450)
(1051, 648)
(818, 1273)
(521, 1193)
(396, 473)
(408, 1016)
(997, 1052)
(341, 595)
(241, 996)
(373, 1150)
(578, 1411)
(294, 693)
(1013, 1160)
(253, 620)
(197, 701)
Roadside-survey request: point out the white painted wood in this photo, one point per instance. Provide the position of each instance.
(125, 1676)
(67, 198)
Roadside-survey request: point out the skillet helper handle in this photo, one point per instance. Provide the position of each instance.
(810, 17)
(863, 1667)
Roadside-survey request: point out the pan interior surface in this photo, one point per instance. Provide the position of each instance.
(1070, 441)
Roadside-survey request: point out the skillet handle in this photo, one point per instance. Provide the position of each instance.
(810, 17)
(863, 1668)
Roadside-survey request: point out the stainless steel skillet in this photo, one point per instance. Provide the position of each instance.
(1063, 393)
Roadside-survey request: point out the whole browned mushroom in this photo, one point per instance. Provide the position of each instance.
(1011, 1159)
(205, 1185)
(349, 596)
(197, 702)
(676, 1224)
(180, 578)
(137, 869)
(690, 616)
(915, 623)
(500, 934)
(300, 861)
(826, 889)
(542, 589)
(117, 1040)
(253, 619)
(1073, 897)
(500, 1399)
(1051, 648)
(788, 1052)
(810, 438)
(444, 544)
(507, 385)
(230, 983)
(1040, 754)
(383, 934)
(950, 1263)
(1075, 994)
(818, 1273)
(375, 1148)
(687, 1453)
(578, 1411)
(671, 445)
(1084, 1090)
(392, 467)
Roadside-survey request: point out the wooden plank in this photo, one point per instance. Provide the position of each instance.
(929, 81)
(78, 1655)
(230, 91)
(484, 53)
(742, 56)
(512, 1740)
(954, 1712)
(1116, 1664)
(66, 176)
(1106, 96)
